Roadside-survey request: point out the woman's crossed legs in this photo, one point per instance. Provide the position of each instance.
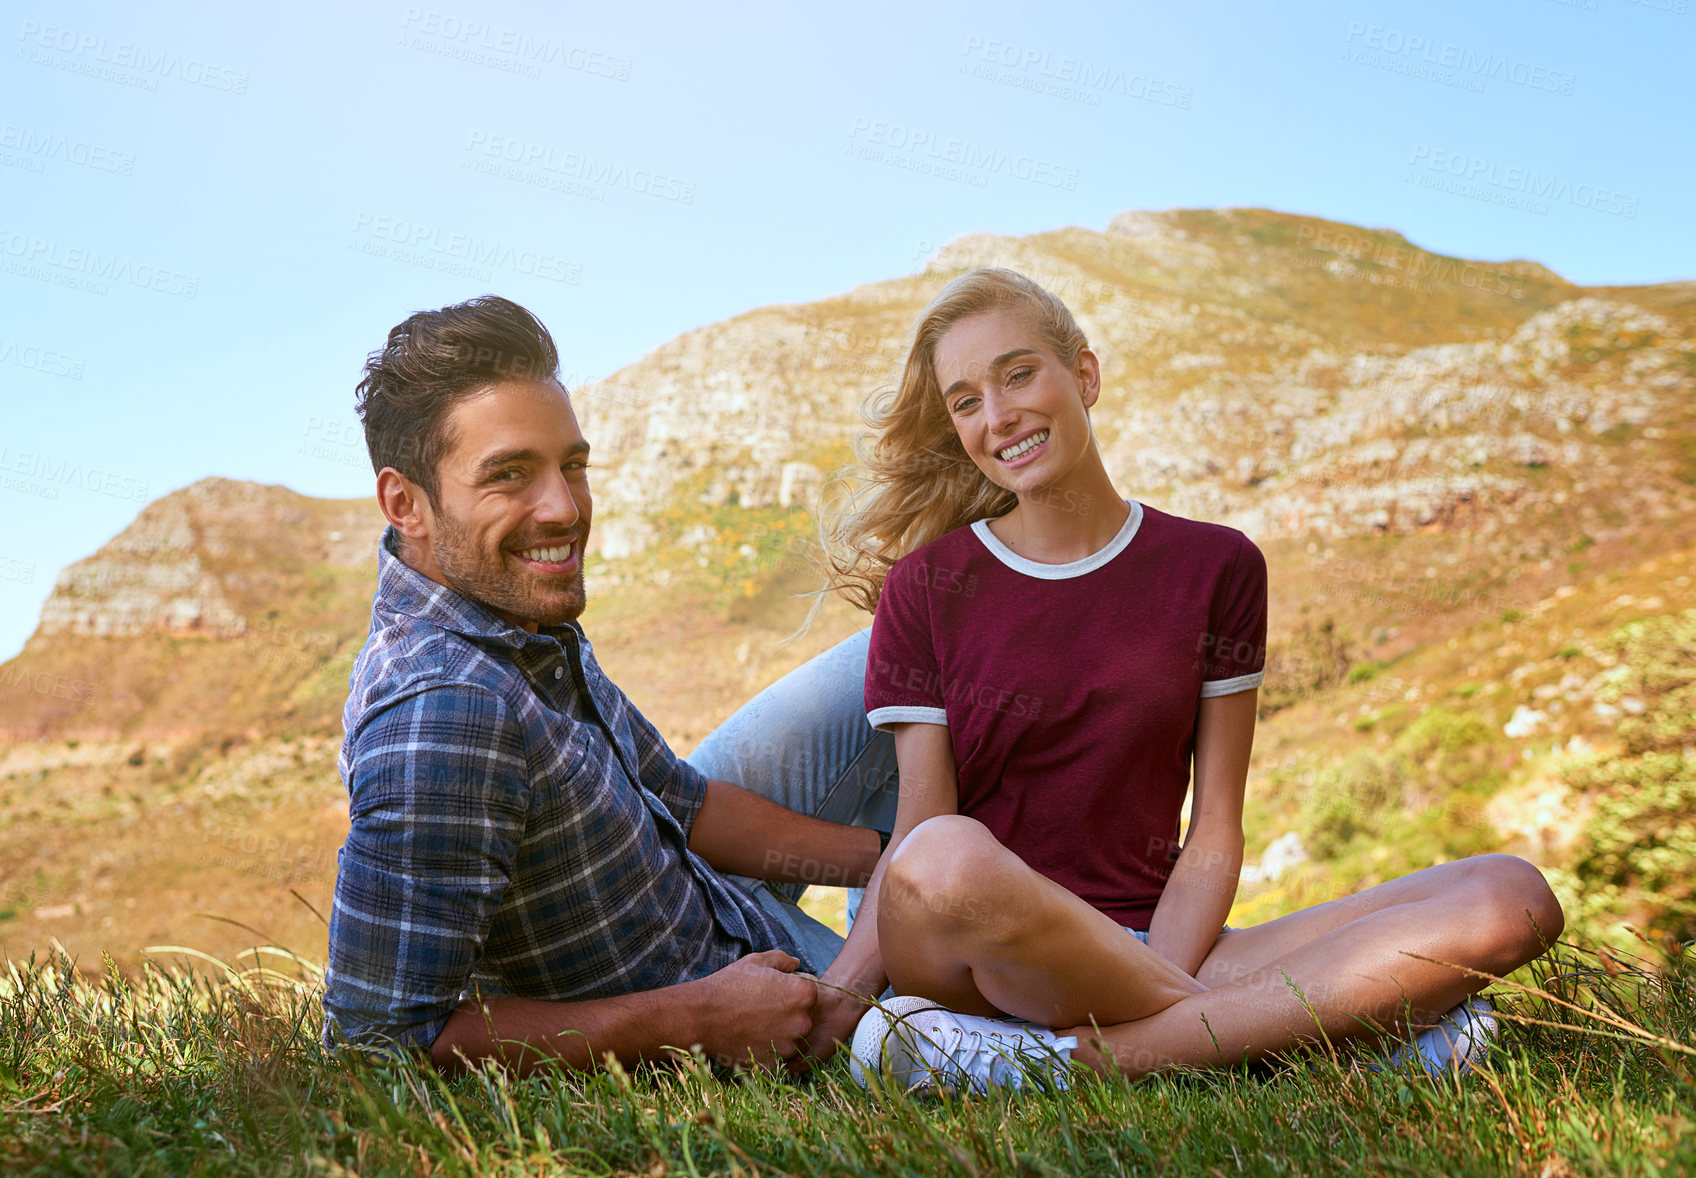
(963, 921)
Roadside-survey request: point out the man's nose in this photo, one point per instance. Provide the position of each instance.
(558, 501)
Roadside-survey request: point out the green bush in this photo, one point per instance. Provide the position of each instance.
(1352, 801)
(1634, 859)
(1440, 731)
(1661, 656)
(1311, 660)
(1453, 750)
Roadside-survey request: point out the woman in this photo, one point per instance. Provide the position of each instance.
(1050, 658)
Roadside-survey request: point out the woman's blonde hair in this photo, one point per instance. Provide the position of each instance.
(914, 481)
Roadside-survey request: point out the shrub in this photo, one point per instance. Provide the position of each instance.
(1633, 860)
(1309, 661)
(1350, 802)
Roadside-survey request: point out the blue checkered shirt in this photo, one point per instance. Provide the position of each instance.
(518, 827)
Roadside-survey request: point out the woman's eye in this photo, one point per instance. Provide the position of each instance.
(964, 403)
(1020, 375)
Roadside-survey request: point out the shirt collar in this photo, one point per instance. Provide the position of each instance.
(404, 590)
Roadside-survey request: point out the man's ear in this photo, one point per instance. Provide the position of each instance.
(404, 505)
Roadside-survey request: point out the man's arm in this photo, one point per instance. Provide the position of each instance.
(439, 786)
(757, 1006)
(1198, 896)
(743, 833)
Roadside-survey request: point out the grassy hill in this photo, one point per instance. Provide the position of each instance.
(1471, 479)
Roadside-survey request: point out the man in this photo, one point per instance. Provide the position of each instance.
(531, 873)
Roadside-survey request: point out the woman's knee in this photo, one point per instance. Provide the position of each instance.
(1520, 915)
(944, 851)
(943, 871)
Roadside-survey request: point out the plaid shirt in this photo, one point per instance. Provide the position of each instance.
(518, 827)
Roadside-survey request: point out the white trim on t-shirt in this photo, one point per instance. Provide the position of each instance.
(1213, 687)
(906, 714)
(1061, 572)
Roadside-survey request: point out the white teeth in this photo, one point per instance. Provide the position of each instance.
(1024, 447)
(549, 555)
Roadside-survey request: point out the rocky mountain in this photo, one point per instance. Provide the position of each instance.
(1286, 375)
(1467, 477)
(1317, 385)
(215, 611)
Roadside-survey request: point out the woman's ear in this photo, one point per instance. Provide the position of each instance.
(1088, 371)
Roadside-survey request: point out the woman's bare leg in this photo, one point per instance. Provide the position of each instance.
(964, 921)
(1352, 961)
(1505, 889)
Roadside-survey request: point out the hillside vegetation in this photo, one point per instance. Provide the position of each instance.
(1475, 484)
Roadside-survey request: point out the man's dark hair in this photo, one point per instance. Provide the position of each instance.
(434, 360)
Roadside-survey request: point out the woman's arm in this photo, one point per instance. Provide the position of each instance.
(1198, 896)
(924, 758)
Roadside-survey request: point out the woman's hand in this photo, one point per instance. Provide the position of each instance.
(925, 758)
(836, 1013)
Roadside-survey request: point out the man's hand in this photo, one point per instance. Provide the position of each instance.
(759, 1005)
(835, 1015)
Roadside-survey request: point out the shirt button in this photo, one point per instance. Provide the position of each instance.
(559, 672)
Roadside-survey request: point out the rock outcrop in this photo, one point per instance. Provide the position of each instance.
(1289, 376)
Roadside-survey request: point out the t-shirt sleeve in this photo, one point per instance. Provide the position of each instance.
(440, 787)
(903, 685)
(1235, 643)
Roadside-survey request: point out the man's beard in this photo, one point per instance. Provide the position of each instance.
(524, 595)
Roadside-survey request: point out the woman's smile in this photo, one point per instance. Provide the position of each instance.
(1026, 448)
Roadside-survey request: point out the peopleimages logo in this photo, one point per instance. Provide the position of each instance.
(482, 44)
(51, 472)
(937, 152)
(36, 147)
(1469, 175)
(959, 691)
(574, 173)
(86, 269)
(1423, 57)
(1419, 267)
(1064, 77)
(401, 240)
(151, 65)
(47, 683)
(38, 359)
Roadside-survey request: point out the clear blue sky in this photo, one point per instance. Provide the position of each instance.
(681, 164)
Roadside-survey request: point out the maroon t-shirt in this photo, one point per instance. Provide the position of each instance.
(1070, 691)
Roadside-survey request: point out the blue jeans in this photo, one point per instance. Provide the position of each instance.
(804, 743)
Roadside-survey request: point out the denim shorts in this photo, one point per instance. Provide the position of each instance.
(1142, 936)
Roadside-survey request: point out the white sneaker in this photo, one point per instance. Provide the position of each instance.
(1456, 1043)
(920, 1044)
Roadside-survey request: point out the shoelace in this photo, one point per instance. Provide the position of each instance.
(983, 1062)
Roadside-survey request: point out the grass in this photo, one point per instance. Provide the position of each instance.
(218, 1071)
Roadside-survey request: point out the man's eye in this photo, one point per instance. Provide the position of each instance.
(504, 476)
(576, 465)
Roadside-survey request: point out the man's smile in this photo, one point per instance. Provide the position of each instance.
(551, 558)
